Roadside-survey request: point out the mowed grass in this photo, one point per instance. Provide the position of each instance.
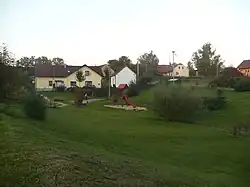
(97, 146)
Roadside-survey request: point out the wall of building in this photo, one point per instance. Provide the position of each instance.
(42, 83)
(245, 71)
(125, 76)
(94, 77)
(180, 71)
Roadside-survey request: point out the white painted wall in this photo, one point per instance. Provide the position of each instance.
(180, 71)
(125, 76)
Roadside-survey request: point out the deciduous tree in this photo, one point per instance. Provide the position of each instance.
(80, 77)
(148, 62)
(206, 61)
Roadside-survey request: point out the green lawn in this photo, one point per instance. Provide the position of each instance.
(97, 146)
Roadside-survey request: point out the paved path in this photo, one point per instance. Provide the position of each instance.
(92, 100)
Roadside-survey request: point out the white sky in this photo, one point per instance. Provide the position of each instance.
(95, 31)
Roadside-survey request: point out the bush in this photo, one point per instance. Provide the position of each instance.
(35, 107)
(176, 103)
(215, 102)
(242, 84)
(223, 82)
(133, 90)
(102, 92)
(60, 89)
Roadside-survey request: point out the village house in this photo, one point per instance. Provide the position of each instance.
(175, 70)
(48, 76)
(244, 67)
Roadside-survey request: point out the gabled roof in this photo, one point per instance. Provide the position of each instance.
(164, 69)
(244, 64)
(122, 86)
(119, 68)
(48, 70)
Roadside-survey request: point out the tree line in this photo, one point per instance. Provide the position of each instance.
(204, 62)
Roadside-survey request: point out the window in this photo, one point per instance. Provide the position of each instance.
(182, 67)
(87, 73)
(88, 83)
(72, 83)
(59, 83)
(50, 83)
(177, 73)
(179, 67)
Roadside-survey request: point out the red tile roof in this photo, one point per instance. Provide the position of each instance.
(122, 86)
(244, 64)
(164, 69)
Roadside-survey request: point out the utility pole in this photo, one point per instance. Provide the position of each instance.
(173, 65)
(173, 55)
(109, 82)
(138, 70)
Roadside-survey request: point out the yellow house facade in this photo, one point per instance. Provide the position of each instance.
(47, 77)
(244, 67)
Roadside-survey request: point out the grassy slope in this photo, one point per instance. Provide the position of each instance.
(96, 146)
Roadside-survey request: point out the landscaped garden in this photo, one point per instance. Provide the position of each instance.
(98, 146)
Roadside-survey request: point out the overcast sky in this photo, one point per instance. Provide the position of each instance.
(94, 31)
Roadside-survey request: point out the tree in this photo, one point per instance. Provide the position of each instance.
(124, 60)
(80, 77)
(26, 62)
(113, 63)
(58, 61)
(191, 69)
(148, 62)
(12, 79)
(6, 57)
(43, 60)
(121, 62)
(105, 79)
(206, 61)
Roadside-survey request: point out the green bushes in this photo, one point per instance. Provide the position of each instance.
(242, 84)
(35, 107)
(133, 90)
(223, 82)
(60, 88)
(215, 102)
(176, 103)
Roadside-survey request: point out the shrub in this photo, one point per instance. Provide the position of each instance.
(60, 89)
(79, 96)
(215, 102)
(176, 103)
(101, 92)
(133, 90)
(227, 82)
(34, 107)
(242, 84)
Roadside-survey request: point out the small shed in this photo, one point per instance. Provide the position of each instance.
(123, 86)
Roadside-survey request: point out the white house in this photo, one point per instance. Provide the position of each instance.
(179, 70)
(123, 76)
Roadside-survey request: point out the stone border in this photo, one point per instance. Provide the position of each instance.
(126, 107)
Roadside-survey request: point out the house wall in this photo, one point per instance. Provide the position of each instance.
(94, 77)
(125, 76)
(180, 71)
(42, 83)
(245, 71)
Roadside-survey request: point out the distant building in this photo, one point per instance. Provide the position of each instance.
(123, 75)
(47, 76)
(175, 70)
(244, 67)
